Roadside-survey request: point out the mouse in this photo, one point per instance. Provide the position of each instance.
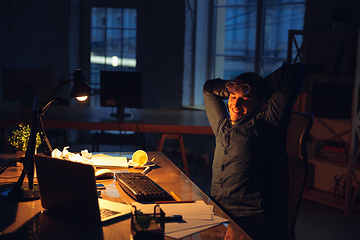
(104, 174)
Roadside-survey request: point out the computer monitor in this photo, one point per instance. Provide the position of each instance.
(120, 90)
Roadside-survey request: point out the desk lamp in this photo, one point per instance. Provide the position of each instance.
(81, 90)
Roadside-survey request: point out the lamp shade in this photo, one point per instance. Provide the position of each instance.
(81, 88)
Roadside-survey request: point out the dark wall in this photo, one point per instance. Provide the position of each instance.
(162, 52)
(326, 15)
(35, 35)
(55, 35)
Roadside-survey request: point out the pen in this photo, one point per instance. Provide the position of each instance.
(174, 196)
(146, 170)
(173, 218)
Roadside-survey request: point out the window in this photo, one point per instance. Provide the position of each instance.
(113, 42)
(252, 35)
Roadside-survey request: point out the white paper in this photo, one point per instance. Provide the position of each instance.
(103, 160)
(189, 227)
(196, 210)
(83, 157)
(196, 217)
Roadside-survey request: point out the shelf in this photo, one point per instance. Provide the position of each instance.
(328, 161)
(357, 166)
(318, 78)
(331, 93)
(328, 199)
(324, 198)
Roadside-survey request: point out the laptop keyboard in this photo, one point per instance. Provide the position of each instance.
(105, 213)
(141, 188)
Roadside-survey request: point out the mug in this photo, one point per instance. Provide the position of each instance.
(140, 157)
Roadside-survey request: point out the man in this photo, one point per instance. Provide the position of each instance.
(250, 137)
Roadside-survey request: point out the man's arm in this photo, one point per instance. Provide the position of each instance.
(214, 92)
(286, 83)
(294, 74)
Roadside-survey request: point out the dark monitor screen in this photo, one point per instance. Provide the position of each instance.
(120, 90)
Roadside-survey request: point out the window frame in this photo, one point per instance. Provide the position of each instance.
(95, 80)
(259, 57)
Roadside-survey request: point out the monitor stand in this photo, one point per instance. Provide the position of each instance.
(120, 112)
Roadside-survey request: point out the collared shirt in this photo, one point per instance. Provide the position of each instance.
(246, 151)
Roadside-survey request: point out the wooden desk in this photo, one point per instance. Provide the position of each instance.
(98, 118)
(25, 214)
(171, 124)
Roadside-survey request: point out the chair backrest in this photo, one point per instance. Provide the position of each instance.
(298, 130)
(289, 177)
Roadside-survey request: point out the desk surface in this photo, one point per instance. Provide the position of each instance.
(98, 118)
(16, 215)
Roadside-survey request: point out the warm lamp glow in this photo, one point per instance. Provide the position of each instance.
(81, 99)
(81, 88)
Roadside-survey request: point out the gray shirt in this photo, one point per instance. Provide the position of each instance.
(245, 152)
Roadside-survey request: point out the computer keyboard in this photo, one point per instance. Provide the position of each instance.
(141, 188)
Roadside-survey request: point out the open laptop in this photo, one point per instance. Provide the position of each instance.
(69, 188)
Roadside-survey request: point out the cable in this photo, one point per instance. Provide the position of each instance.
(137, 127)
(120, 132)
(136, 124)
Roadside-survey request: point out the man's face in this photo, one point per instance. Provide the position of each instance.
(241, 103)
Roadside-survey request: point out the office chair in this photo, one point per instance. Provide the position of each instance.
(289, 179)
(298, 132)
(289, 187)
(120, 139)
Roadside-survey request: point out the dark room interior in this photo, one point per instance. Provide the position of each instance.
(172, 44)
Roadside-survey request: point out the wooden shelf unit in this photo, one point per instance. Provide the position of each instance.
(331, 57)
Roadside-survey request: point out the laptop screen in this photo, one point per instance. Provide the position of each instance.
(67, 187)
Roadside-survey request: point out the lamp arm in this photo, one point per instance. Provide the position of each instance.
(41, 111)
(18, 193)
(54, 93)
(44, 139)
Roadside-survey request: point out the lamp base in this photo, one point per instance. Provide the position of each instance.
(22, 194)
(120, 112)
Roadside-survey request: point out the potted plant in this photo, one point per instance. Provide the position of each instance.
(19, 139)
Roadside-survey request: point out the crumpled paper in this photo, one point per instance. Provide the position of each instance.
(83, 157)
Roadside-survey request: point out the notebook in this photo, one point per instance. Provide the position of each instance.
(69, 188)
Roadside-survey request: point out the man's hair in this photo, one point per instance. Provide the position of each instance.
(255, 81)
